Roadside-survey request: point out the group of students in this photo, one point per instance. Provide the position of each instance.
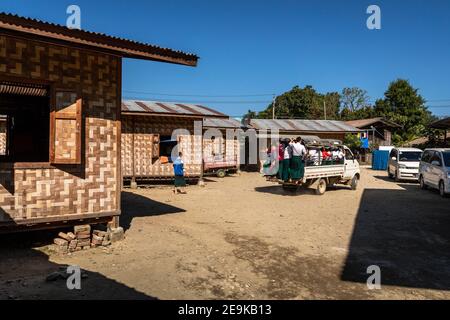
(292, 155)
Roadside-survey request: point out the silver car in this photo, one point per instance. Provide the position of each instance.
(434, 170)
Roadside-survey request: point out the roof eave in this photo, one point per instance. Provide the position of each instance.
(29, 29)
(169, 114)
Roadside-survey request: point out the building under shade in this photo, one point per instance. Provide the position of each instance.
(379, 130)
(60, 97)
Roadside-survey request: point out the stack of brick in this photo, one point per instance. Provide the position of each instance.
(82, 239)
(100, 238)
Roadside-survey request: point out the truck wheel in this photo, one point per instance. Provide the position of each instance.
(321, 187)
(221, 173)
(354, 184)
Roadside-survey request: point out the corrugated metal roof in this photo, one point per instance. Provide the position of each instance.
(361, 123)
(302, 125)
(7, 87)
(124, 47)
(169, 108)
(221, 123)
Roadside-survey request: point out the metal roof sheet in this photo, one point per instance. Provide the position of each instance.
(124, 47)
(169, 108)
(221, 123)
(361, 123)
(302, 125)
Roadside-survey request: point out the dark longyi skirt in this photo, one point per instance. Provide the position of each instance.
(180, 181)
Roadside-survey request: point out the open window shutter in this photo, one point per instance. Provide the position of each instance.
(65, 128)
(155, 146)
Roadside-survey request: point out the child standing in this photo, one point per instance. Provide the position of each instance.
(178, 170)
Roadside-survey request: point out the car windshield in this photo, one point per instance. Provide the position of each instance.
(410, 155)
(446, 156)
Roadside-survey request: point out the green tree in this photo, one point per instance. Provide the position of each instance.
(353, 99)
(303, 103)
(404, 105)
(352, 141)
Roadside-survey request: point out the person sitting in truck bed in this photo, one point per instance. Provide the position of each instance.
(314, 156)
(337, 155)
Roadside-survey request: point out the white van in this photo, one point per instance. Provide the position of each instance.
(435, 170)
(404, 164)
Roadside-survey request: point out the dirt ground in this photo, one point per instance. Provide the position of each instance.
(244, 238)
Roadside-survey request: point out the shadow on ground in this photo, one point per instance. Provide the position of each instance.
(25, 265)
(135, 205)
(409, 241)
(292, 191)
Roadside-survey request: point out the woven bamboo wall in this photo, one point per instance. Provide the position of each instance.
(229, 149)
(147, 166)
(94, 186)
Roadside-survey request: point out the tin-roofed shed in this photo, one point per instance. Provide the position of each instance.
(221, 145)
(150, 134)
(290, 128)
(60, 97)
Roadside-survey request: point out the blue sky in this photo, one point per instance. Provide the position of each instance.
(264, 47)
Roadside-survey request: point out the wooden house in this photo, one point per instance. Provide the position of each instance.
(221, 145)
(60, 97)
(154, 132)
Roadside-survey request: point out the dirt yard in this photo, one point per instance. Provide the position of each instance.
(244, 238)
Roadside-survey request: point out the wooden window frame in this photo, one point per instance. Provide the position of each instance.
(55, 115)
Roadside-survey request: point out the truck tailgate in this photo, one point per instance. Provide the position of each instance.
(312, 172)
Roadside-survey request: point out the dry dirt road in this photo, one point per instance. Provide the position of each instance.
(244, 238)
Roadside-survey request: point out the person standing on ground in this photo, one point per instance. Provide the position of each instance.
(178, 170)
(298, 153)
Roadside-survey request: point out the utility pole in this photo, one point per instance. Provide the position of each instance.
(324, 109)
(273, 107)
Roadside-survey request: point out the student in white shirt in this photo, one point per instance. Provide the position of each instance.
(298, 154)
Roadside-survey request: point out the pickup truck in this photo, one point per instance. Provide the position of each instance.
(321, 176)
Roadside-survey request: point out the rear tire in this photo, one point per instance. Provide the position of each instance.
(355, 181)
(423, 186)
(442, 189)
(321, 187)
(221, 173)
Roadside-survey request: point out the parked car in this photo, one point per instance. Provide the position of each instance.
(434, 170)
(404, 164)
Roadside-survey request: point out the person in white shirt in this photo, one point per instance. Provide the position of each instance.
(286, 162)
(314, 156)
(298, 154)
